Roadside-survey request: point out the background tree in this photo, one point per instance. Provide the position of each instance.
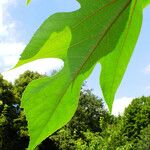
(91, 128)
(127, 131)
(6, 92)
(136, 117)
(8, 112)
(144, 139)
(24, 79)
(13, 125)
(84, 124)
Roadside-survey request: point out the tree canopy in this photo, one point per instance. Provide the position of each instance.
(91, 128)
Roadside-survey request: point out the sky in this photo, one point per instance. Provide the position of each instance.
(18, 23)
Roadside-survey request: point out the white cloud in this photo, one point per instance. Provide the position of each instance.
(9, 54)
(7, 25)
(9, 48)
(120, 105)
(42, 66)
(147, 69)
(147, 88)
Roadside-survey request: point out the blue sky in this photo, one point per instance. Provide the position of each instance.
(18, 23)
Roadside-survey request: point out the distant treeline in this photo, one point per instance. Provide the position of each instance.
(91, 128)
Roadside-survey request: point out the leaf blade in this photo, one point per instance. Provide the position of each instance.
(40, 128)
(114, 65)
(88, 37)
(146, 3)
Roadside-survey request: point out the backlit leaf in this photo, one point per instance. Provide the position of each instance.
(102, 31)
(114, 64)
(146, 3)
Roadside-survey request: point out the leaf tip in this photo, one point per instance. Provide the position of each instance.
(28, 2)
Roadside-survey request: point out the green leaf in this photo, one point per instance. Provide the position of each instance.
(28, 2)
(146, 3)
(50, 45)
(114, 64)
(47, 112)
(81, 39)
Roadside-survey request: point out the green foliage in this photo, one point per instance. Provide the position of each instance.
(21, 83)
(146, 3)
(89, 110)
(8, 112)
(81, 41)
(6, 92)
(87, 116)
(64, 139)
(91, 128)
(128, 130)
(144, 138)
(136, 117)
(92, 141)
